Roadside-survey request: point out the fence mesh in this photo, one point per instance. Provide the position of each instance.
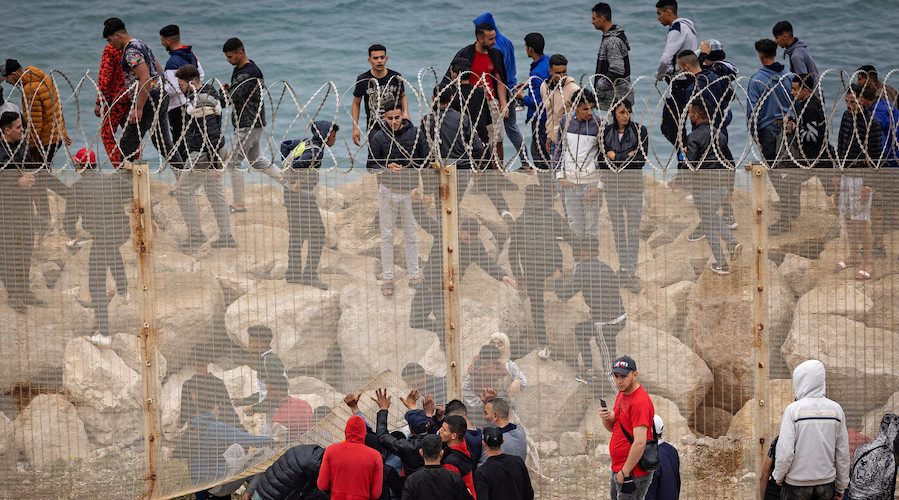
(135, 355)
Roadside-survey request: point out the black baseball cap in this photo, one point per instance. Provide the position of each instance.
(624, 365)
(493, 435)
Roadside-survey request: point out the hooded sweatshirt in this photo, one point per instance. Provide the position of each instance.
(458, 459)
(681, 36)
(504, 45)
(8, 106)
(557, 102)
(801, 61)
(873, 472)
(613, 67)
(303, 156)
(768, 97)
(577, 146)
(813, 447)
(43, 118)
(386, 147)
(177, 58)
(350, 469)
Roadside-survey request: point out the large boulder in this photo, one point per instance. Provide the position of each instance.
(488, 306)
(374, 333)
(720, 329)
(302, 318)
(780, 395)
(666, 366)
(710, 421)
(843, 299)
(315, 392)
(855, 356)
(553, 401)
(883, 313)
(106, 390)
(7, 443)
(49, 429)
(561, 318)
(815, 227)
(651, 307)
(795, 270)
(32, 344)
(260, 251)
(188, 307)
(670, 264)
(170, 395)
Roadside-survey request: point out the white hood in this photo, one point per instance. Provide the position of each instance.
(808, 380)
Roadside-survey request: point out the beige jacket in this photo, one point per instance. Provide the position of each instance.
(557, 102)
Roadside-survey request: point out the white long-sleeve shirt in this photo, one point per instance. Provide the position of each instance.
(681, 36)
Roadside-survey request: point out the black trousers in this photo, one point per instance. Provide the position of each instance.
(305, 224)
(671, 114)
(177, 125)
(154, 120)
(105, 256)
(16, 247)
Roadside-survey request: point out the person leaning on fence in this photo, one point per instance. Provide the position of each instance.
(206, 149)
(248, 118)
(17, 187)
(574, 163)
(432, 481)
(292, 476)
(406, 449)
(501, 476)
(535, 251)
(872, 474)
(625, 144)
(612, 80)
(302, 159)
(859, 149)
(415, 376)
(271, 377)
(501, 341)
(599, 286)
(113, 103)
(813, 447)
(666, 481)
(708, 152)
(143, 82)
(392, 150)
(99, 200)
(487, 372)
(630, 420)
(556, 94)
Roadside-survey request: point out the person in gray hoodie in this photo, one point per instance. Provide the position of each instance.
(612, 80)
(801, 61)
(303, 159)
(873, 472)
(681, 36)
(813, 447)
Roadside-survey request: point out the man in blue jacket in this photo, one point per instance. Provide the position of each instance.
(304, 157)
(666, 479)
(767, 105)
(505, 46)
(529, 95)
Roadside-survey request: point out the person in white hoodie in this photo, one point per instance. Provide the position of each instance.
(813, 448)
(574, 163)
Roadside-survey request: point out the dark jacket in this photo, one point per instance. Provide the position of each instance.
(715, 91)
(613, 67)
(293, 475)
(503, 477)
(204, 126)
(201, 394)
(860, 140)
(406, 449)
(455, 133)
(204, 444)
(433, 482)
(666, 479)
(496, 57)
(305, 156)
(99, 199)
(599, 284)
(246, 96)
(634, 138)
(811, 132)
(472, 102)
(702, 153)
(459, 459)
(534, 246)
(386, 147)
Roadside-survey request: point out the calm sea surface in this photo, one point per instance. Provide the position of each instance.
(308, 44)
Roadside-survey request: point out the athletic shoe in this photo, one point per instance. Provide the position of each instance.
(734, 247)
(696, 235)
(732, 223)
(721, 268)
(224, 242)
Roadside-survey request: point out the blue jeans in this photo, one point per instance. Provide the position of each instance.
(541, 156)
(583, 215)
(707, 202)
(818, 492)
(625, 212)
(767, 137)
(514, 134)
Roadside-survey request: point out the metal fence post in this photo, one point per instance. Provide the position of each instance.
(761, 335)
(142, 233)
(449, 215)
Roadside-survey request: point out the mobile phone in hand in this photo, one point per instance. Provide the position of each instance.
(602, 402)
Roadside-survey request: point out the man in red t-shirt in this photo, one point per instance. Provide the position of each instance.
(633, 413)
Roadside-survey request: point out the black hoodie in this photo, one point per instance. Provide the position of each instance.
(400, 147)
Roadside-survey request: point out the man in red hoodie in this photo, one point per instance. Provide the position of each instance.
(351, 470)
(455, 454)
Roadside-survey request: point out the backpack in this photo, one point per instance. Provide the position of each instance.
(650, 459)
(873, 474)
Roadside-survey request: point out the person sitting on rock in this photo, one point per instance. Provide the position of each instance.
(204, 391)
(487, 371)
(415, 377)
(428, 296)
(599, 285)
(302, 159)
(501, 341)
(270, 377)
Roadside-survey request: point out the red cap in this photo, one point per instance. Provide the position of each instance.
(85, 157)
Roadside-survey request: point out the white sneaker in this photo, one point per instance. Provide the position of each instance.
(100, 340)
(544, 353)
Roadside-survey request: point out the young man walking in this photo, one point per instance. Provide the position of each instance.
(179, 55)
(630, 421)
(529, 95)
(245, 93)
(681, 36)
(613, 64)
